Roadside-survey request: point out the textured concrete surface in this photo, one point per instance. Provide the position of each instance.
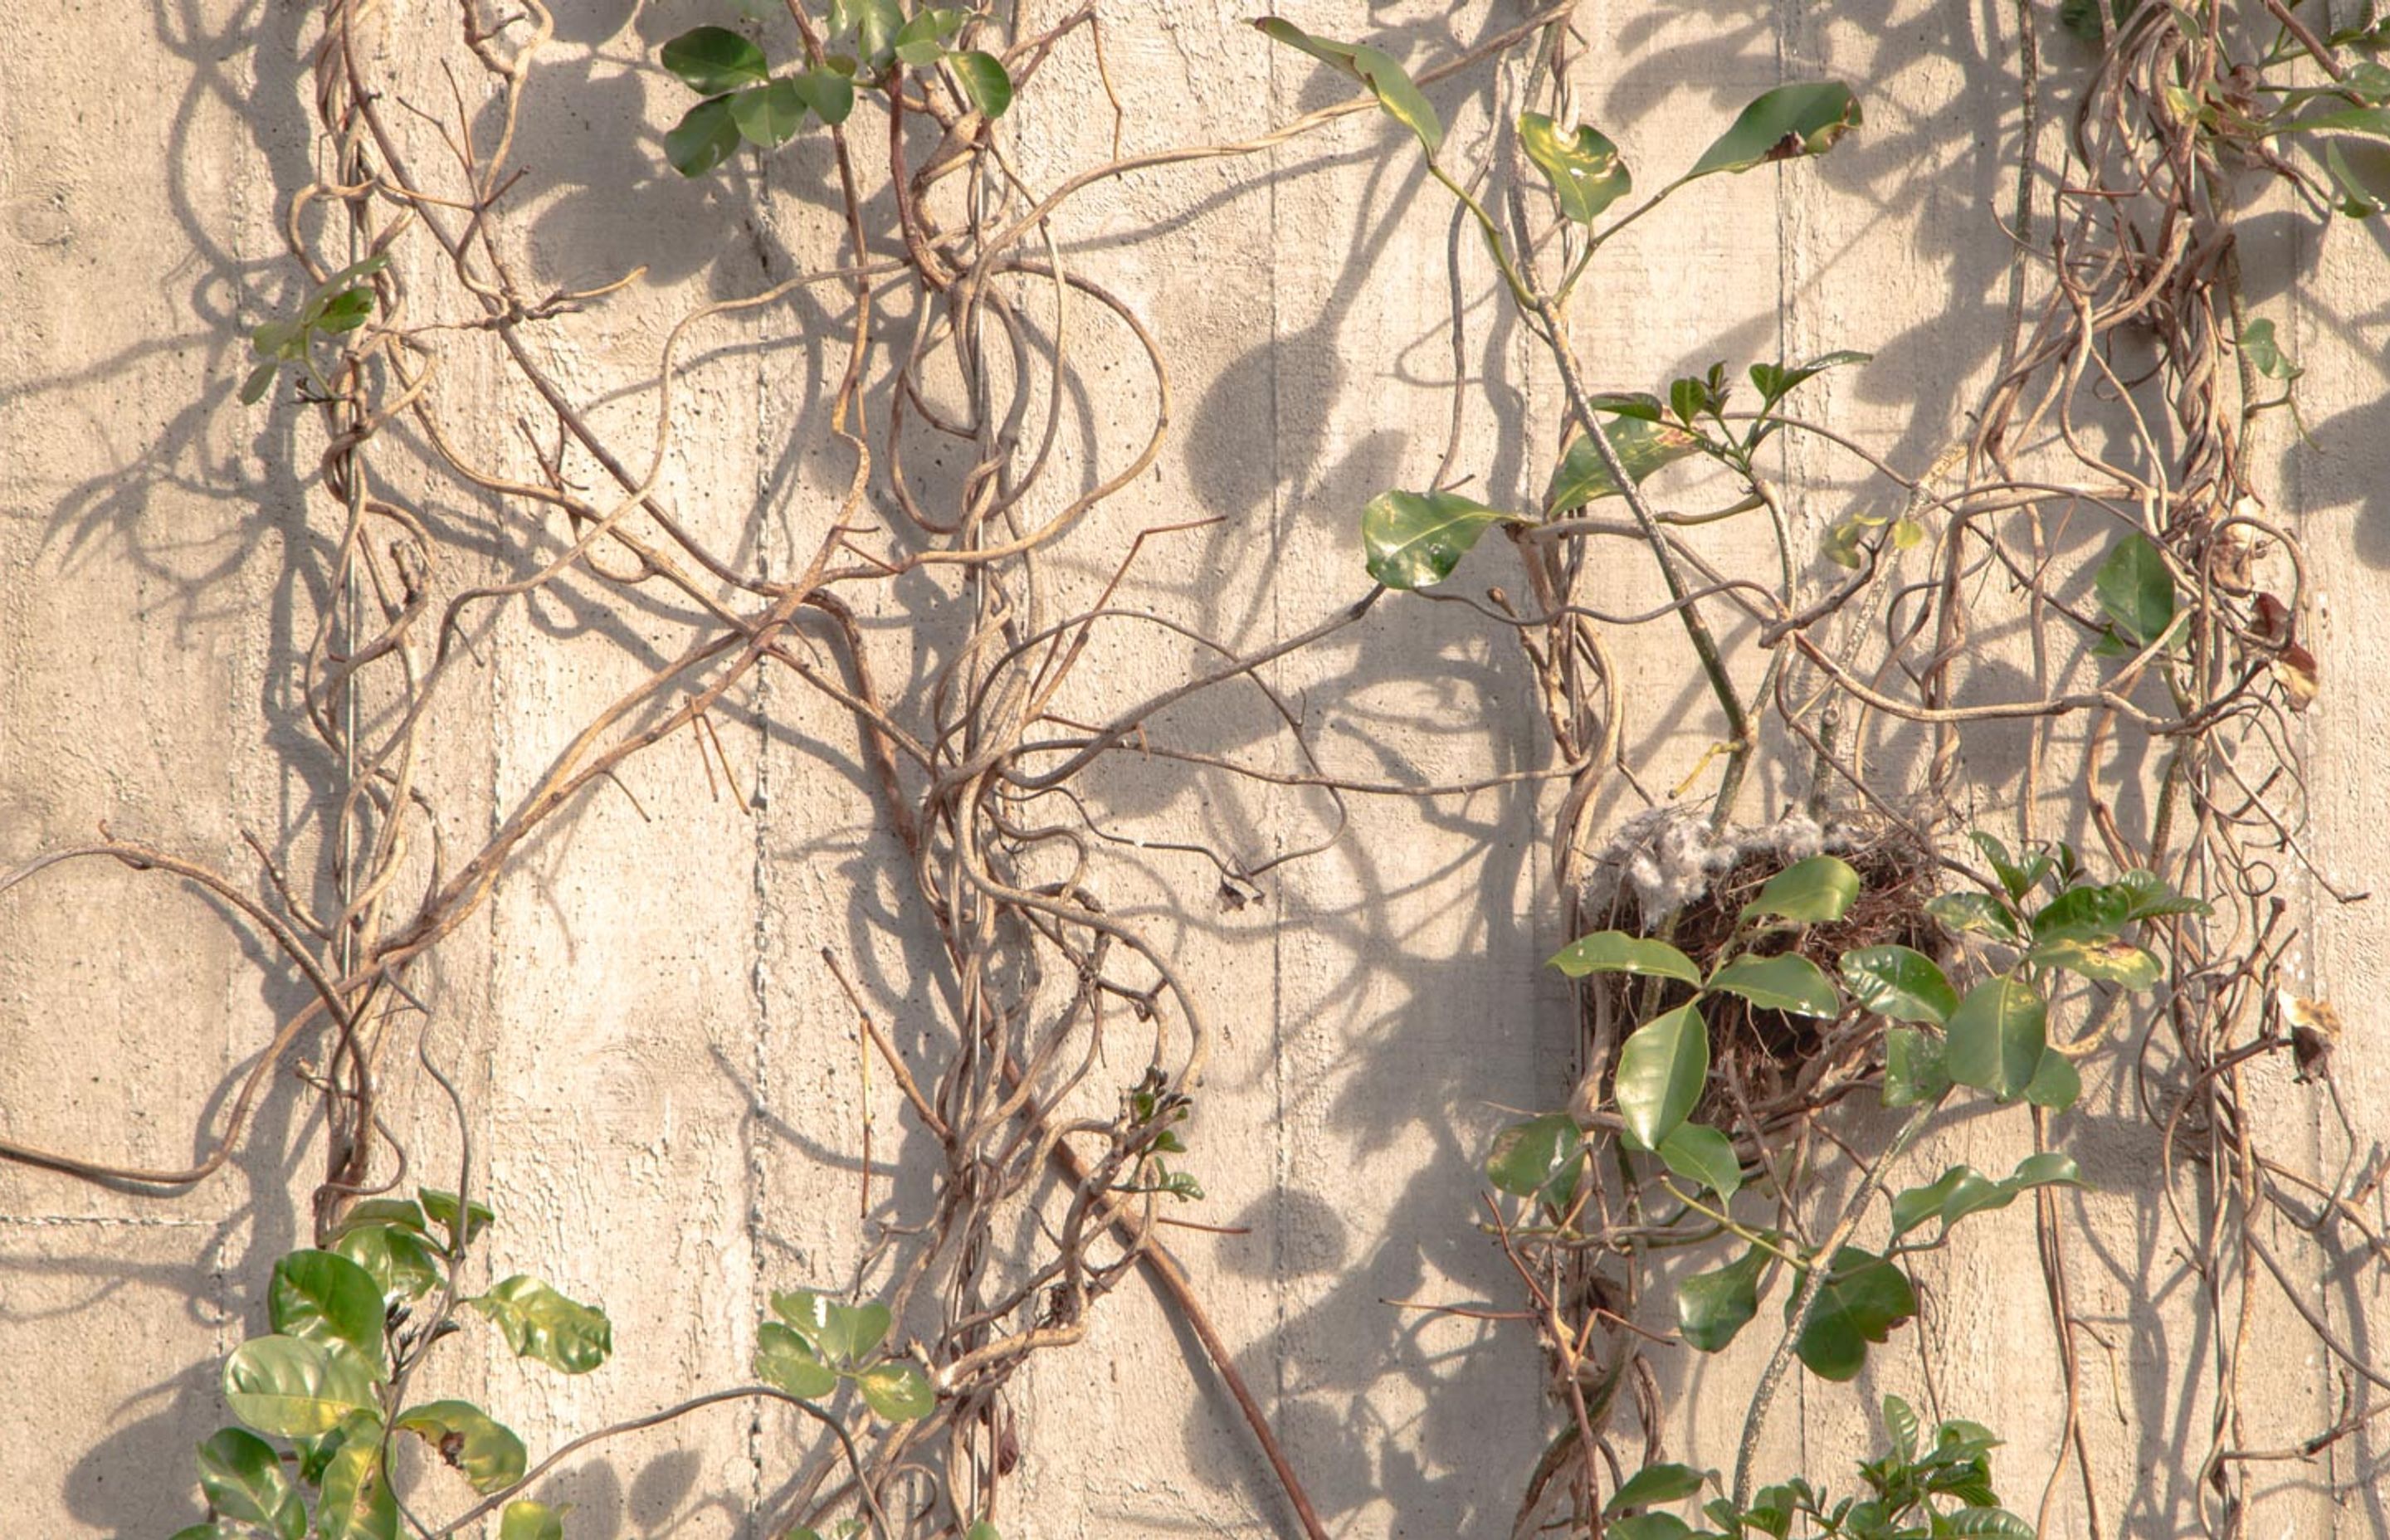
(664, 1081)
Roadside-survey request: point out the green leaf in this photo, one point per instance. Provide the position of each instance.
(404, 1214)
(2360, 175)
(488, 1451)
(1900, 1423)
(1899, 982)
(1712, 1307)
(704, 137)
(537, 1322)
(710, 60)
(1776, 382)
(786, 1360)
(851, 1331)
(985, 81)
(402, 1261)
(2084, 18)
(768, 115)
(1649, 1526)
(345, 310)
(2056, 1084)
(2148, 897)
(1585, 174)
(528, 1521)
(326, 1298)
(1661, 1067)
(1386, 79)
(1654, 1483)
(2136, 590)
(1971, 1524)
(983, 1530)
(1997, 1037)
(2016, 878)
(830, 94)
(2373, 121)
(244, 1482)
(1700, 1153)
(1616, 952)
(1414, 539)
(2116, 962)
(296, 1388)
(1913, 1070)
(1863, 1299)
(2082, 914)
(1788, 982)
(1528, 1157)
(1979, 913)
(206, 1531)
(807, 1313)
(355, 1503)
(1818, 891)
(1642, 448)
(441, 1209)
(899, 1392)
(2266, 355)
(1784, 124)
(924, 39)
(1961, 1191)
(259, 381)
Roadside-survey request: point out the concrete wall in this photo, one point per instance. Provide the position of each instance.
(663, 1080)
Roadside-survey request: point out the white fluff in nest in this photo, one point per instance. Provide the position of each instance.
(1670, 855)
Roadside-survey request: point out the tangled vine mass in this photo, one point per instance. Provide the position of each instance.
(1771, 1009)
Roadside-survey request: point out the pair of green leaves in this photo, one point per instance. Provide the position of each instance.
(339, 305)
(1863, 1298)
(818, 1341)
(744, 103)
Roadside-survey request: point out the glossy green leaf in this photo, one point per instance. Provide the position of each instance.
(205, 1532)
(873, 23)
(2136, 590)
(528, 1521)
(770, 115)
(1713, 1307)
(2116, 962)
(899, 1392)
(985, 81)
(1387, 79)
(1649, 1526)
(355, 1501)
(924, 39)
(2056, 1084)
(828, 93)
(1700, 1153)
(1983, 1523)
(404, 1214)
(1913, 1070)
(1583, 168)
(1414, 539)
(983, 1530)
(1654, 1483)
(296, 1388)
(402, 1261)
(1899, 984)
(1616, 952)
(2148, 897)
(441, 1209)
(1863, 1299)
(1661, 1067)
(1962, 1190)
(710, 60)
(488, 1453)
(785, 1361)
(537, 1322)
(1979, 914)
(1642, 448)
(1997, 1037)
(326, 1298)
(343, 311)
(2082, 914)
(1528, 1157)
(244, 1482)
(1788, 982)
(705, 137)
(1774, 381)
(1784, 124)
(807, 1313)
(2017, 878)
(1819, 891)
